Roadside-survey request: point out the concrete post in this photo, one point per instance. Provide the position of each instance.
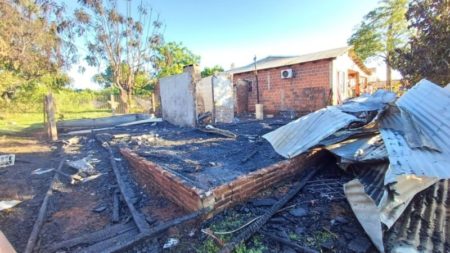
(52, 132)
(259, 111)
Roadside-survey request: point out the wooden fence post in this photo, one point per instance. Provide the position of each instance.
(52, 132)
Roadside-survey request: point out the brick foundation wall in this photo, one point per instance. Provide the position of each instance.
(151, 175)
(247, 186)
(308, 91)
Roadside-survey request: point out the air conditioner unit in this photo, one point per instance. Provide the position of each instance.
(287, 73)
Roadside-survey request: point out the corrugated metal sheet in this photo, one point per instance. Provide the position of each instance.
(366, 149)
(306, 132)
(430, 106)
(374, 102)
(425, 223)
(366, 211)
(278, 61)
(372, 177)
(329, 125)
(416, 137)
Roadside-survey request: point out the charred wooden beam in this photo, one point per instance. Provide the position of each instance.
(215, 130)
(116, 207)
(42, 212)
(126, 245)
(138, 218)
(249, 156)
(91, 238)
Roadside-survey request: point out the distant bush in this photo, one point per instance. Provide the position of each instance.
(67, 100)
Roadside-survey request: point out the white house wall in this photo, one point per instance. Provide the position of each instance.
(222, 102)
(341, 65)
(223, 98)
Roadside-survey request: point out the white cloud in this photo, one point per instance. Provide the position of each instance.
(83, 80)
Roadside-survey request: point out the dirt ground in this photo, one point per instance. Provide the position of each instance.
(318, 217)
(74, 209)
(17, 183)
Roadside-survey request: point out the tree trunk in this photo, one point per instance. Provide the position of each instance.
(156, 101)
(124, 101)
(129, 97)
(389, 48)
(388, 75)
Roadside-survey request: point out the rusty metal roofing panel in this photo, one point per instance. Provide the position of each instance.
(430, 106)
(279, 61)
(306, 132)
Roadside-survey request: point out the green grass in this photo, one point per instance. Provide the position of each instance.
(293, 236)
(230, 222)
(13, 123)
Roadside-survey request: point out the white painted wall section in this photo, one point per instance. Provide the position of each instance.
(178, 99)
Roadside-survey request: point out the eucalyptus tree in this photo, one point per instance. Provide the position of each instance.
(120, 33)
(381, 31)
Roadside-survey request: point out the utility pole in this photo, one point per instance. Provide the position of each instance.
(256, 78)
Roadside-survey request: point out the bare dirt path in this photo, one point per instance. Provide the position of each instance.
(16, 182)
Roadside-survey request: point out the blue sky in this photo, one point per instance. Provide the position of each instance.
(225, 32)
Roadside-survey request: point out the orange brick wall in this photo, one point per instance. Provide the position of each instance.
(308, 91)
(247, 186)
(151, 176)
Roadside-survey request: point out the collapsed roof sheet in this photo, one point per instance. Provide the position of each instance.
(306, 132)
(429, 106)
(366, 149)
(365, 102)
(425, 224)
(313, 129)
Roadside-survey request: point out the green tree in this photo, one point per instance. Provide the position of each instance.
(172, 57)
(211, 71)
(35, 45)
(381, 31)
(427, 54)
(143, 83)
(116, 38)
